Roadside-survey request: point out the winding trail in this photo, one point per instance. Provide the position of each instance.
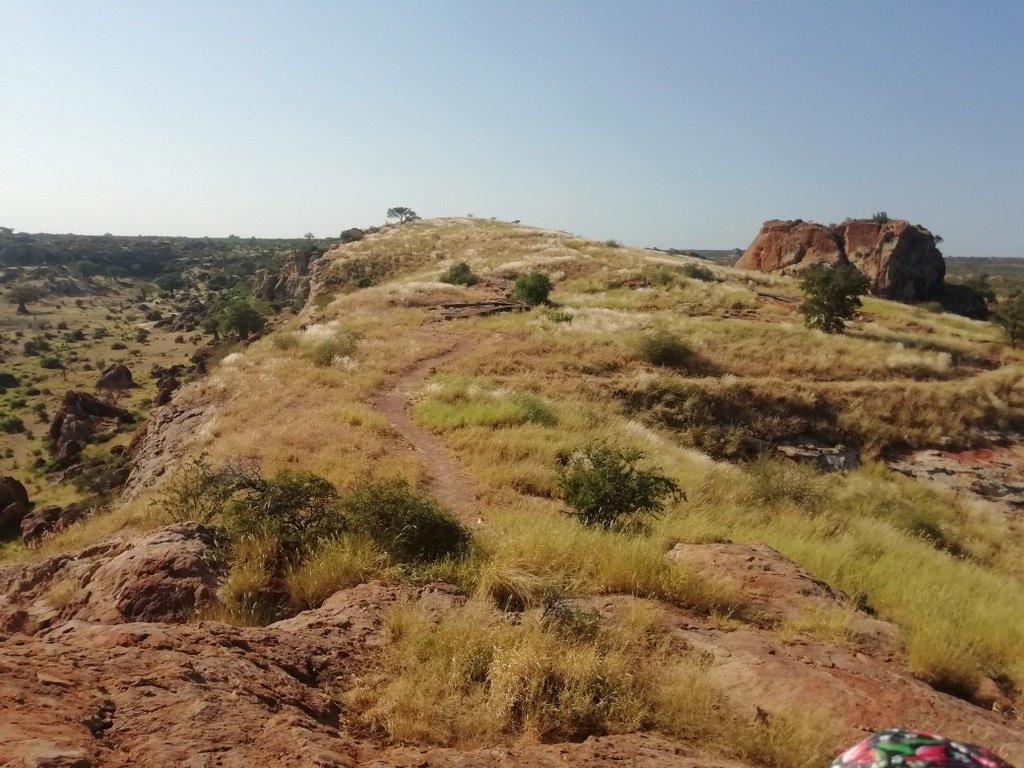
(447, 478)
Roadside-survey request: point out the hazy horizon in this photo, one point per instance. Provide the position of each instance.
(665, 124)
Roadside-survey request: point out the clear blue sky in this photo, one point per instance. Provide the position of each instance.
(656, 123)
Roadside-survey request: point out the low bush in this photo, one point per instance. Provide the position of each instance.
(460, 274)
(406, 525)
(533, 289)
(328, 351)
(662, 347)
(12, 425)
(51, 363)
(605, 487)
(699, 272)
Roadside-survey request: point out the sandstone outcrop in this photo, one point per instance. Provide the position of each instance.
(14, 504)
(79, 417)
(900, 259)
(157, 445)
(39, 522)
(116, 376)
(163, 576)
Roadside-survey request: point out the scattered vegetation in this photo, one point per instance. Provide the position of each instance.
(832, 296)
(460, 274)
(605, 487)
(533, 288)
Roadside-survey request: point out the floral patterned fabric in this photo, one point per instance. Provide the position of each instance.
(916, 749)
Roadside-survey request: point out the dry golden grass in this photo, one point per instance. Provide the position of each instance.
(474, 679)
(528, 391)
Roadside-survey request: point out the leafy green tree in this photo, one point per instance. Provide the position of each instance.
(242, 319)
(533, 289)
(980, 285)
(23, 294)
(880, 218)
(604, 485)
(460, 274)
(401, 214)
(1009, 315)
(832, 295)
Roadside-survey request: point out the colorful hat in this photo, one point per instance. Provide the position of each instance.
(916, 749)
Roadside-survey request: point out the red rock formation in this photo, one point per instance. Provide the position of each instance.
(791, 247)
(899, 258)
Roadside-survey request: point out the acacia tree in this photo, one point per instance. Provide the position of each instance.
(1009, 315)
(832, 295)
(23, 294)
(401, 214)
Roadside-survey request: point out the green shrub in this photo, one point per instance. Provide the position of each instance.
(324, 353)
(298, 510)
(460, 274)
(560, 316)
(662, 347)
(832, 295)
(8, 381)
(241, 319)
(661, 277)
(12, 425)
(699, 272)
(352, 235)
(405, 524)
(50, 362)
(605, 487)
(533, 289)
(119, 345)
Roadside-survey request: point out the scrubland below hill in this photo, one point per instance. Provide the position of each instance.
(904, 606)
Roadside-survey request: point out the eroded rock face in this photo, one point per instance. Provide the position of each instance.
(163, 576)
(900, 259)
(160, 442)
(195, 695)
(79, 417)
(46, 520)
(791, 247)
(116, 376)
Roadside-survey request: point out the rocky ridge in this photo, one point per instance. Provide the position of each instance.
(105, 673)
(900, 259)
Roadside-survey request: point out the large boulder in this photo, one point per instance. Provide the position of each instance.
(163, 576)
(11, 490)
(791, 247)
(14, 505)
(51, 519)
(116, 376)
(79, 417)
(900, 259)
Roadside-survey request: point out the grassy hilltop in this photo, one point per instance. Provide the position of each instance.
(700, 367)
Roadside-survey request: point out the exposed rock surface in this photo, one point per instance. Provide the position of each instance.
(14, 504)
(900, 259)
(163, 576)
(993, 474)
(202, 695)
(79, 417)
(116, 376)
(776, 590)
(827, 458)
(158, 444)
(291, 282)
(166, 387)
(88, 693)
(50, 519)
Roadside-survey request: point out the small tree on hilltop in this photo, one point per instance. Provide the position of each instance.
(401, 214)
(1009, 315)
(533, 289)
(880, 218)
(23, 294)
(832, 295)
